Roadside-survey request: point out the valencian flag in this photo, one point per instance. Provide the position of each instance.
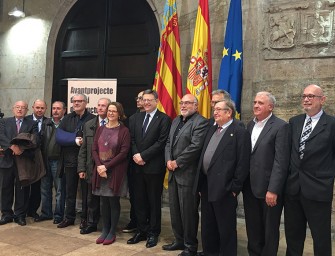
(230, 78)
(199, 79)
(168, 72)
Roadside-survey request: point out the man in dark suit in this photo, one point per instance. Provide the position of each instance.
(149, 131)
(263, 189)
(90, 202)
(34, 190)
(309, 190)
(222, 170)
(182, 153)
(9, 128)
(132, 225)
(217, 96)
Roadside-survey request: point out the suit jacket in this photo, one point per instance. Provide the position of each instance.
(186, 148)
(313, 176)
(32, 118)
(269, 158)
(85, 160)
(151, 146)
(8, 131)
(229, 166)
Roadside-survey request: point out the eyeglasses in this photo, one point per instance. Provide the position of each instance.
(138, 98)
(78, 101)
(186, 103)
(220, 109)
(112, 111)
(20, 107)
(148, 100)
(310, 96)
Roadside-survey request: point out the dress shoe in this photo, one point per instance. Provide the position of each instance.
(88, 229)
(173, 247)
(129, 228)
(4, 221)
(138, 237)
(35, 216)
(65, 223)
(152, 241)
(42, 218)
(57, 221)
(109, 241)
(20, 221)
(187, 252)
(83, 224)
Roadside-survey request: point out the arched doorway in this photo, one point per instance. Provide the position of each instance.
(107, 39)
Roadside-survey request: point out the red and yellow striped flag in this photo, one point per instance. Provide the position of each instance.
(168, 83)
(199, 79)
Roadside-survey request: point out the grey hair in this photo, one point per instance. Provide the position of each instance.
(270, 96)
(226, 94)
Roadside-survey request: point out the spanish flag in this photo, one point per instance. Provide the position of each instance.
(199, 79)
(168, 83)
(230, 77)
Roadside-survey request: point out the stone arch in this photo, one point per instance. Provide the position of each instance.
(55, 27)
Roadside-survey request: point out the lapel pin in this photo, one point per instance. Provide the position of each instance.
(231, 135)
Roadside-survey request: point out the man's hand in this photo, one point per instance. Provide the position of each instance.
(271, 199)
(138, 159)
(172, 165)
(16, 150)
(82, 175)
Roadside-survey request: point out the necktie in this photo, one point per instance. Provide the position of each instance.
(145, 124)
(18, 125)
(304, 136)
(39, 124)
(102, 122)
(219, 129)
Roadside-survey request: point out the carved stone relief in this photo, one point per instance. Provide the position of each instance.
(299, 30)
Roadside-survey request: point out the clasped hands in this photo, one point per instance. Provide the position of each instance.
(171, 165)
(102, 171)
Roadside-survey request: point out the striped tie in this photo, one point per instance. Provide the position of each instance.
(304, 136)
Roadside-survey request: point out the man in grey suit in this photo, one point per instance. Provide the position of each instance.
(310, 184)
(263, 189)
(182, 152)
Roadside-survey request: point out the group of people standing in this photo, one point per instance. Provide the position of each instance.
(273, 163)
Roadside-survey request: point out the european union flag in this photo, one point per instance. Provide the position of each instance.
(230, 77)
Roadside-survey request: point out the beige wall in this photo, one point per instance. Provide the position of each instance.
(287, 45)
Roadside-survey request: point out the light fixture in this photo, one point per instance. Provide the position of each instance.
(17, 12)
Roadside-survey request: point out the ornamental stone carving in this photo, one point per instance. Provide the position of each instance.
(299, 30)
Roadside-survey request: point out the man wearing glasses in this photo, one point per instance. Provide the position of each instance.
(73, 122)
(132, 225)
(182, 152)
(310, 183)
(9, 128)
(222, 169)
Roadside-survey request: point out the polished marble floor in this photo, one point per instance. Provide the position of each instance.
(45, 238)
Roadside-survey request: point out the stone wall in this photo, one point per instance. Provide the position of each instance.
(288, 44)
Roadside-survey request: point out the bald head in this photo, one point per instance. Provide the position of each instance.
(313, 99)
(39, 107)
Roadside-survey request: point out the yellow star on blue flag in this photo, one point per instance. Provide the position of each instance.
(230, 77)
